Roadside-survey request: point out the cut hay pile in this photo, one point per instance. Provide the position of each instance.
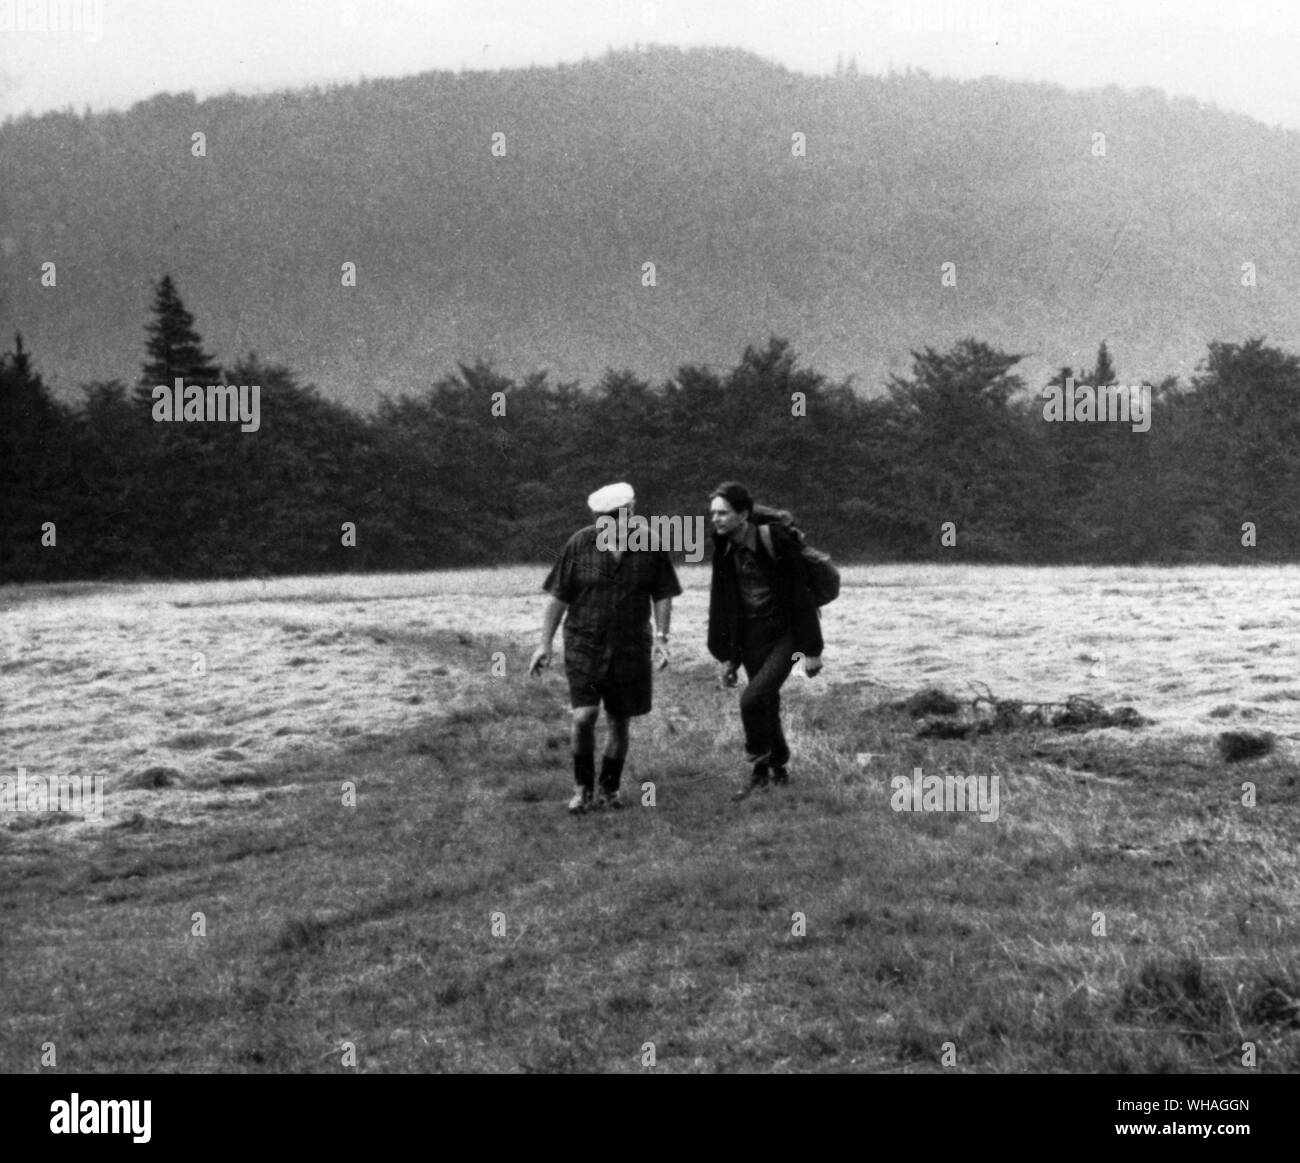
(944, 716)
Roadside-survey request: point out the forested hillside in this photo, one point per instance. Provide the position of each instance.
(1066, 216)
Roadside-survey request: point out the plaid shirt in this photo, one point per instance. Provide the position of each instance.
(609, 603)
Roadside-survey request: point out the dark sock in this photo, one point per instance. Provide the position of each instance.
(584, 770)
(611, 771)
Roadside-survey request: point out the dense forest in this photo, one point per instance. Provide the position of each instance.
(482, 468)
(1067, 216)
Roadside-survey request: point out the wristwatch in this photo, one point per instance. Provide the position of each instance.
(662, 638)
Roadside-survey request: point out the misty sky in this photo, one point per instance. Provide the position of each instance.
(1237, 54)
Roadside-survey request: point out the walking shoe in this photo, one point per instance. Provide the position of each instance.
(609, 798)
(780, 776)
(581, 800)
(758, 779)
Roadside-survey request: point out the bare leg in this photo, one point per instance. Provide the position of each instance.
(584, 730)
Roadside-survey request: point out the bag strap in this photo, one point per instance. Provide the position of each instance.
(765, 536)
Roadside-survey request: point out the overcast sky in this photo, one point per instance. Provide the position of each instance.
(1237, 54)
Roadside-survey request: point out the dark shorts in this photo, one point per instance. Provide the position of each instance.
(622, 681)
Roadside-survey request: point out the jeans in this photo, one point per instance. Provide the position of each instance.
(766, 651)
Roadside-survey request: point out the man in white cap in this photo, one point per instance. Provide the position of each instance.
(606, 596)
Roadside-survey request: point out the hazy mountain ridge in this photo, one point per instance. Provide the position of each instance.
(678, 158)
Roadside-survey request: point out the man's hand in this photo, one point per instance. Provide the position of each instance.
(729, 678)
(812, 665)
(660, 655)
(541, 658)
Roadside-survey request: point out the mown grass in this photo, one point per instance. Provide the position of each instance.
(372, 925)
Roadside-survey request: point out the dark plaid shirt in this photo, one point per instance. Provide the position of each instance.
(609, 602)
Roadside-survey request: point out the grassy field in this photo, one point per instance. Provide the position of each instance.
(456, 918)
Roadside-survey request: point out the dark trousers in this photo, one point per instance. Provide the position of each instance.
(766, 651)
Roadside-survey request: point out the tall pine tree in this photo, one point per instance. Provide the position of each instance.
(175, 349)
(1103, 375)
(194, 459)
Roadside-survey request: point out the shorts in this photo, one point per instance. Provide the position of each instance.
(623, 682)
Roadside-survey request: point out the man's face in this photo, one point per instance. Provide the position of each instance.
(725, 519)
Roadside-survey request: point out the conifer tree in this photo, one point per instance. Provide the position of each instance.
(1103, 375)
(33, 462)
(175, 349)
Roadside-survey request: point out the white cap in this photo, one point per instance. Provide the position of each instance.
(611, 497)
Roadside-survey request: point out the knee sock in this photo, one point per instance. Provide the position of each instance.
(611, 771)
(584, 770)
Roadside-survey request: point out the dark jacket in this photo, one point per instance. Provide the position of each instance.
(785, 575)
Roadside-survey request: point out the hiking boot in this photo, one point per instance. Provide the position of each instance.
(758, 778)
(780, 775)
(581, 800)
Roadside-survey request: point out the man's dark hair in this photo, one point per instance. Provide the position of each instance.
(736, 495)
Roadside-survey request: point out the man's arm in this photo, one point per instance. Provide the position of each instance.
(550, 622)
(663, 617)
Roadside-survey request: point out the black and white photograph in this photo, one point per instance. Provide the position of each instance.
(643, 537)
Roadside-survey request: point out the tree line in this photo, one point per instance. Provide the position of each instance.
(955, 461)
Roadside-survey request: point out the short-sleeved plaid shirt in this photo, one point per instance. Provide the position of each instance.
(607, 626)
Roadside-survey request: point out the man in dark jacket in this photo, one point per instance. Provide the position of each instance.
(761, 614)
